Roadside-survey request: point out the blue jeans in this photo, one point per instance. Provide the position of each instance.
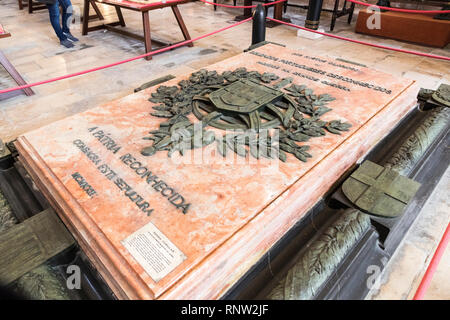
(53, 10)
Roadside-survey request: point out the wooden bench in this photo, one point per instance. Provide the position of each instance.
(31, 243)
(416, 28)
(12, 72)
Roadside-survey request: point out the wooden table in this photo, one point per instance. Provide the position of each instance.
(277, 13)
(22, 4)
(139, 7)
(34, 6)
(12, 72)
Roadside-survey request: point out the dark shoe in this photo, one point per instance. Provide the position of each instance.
(71, 37)
(66, 43)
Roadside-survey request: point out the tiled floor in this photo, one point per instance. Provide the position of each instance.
(37, 55)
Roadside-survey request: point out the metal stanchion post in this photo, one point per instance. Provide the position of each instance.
(259, 25)
(313, 15)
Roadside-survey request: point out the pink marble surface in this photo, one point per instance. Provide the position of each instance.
(237, 210)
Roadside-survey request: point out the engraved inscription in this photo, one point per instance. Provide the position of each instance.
(158, 184)
(110, 174)
(325, 73)
(84, 184)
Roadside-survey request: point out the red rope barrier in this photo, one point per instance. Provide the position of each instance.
(364, 43)
(241, 7)
(426, 280)
(123, 61)
(399, 9)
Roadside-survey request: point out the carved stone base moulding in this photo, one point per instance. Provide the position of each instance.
(190, 226)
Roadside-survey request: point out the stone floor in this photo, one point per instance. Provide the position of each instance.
(407, 267)
(37, 55)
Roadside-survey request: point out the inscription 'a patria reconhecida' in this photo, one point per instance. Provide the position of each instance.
(158, 184)
(138, 168)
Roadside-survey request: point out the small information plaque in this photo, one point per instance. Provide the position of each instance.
(154, 251)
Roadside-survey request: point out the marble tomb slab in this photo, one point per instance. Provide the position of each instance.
(220, 216)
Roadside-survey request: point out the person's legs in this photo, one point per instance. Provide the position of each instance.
(53, 10)
(66, 14)
(67, 10)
